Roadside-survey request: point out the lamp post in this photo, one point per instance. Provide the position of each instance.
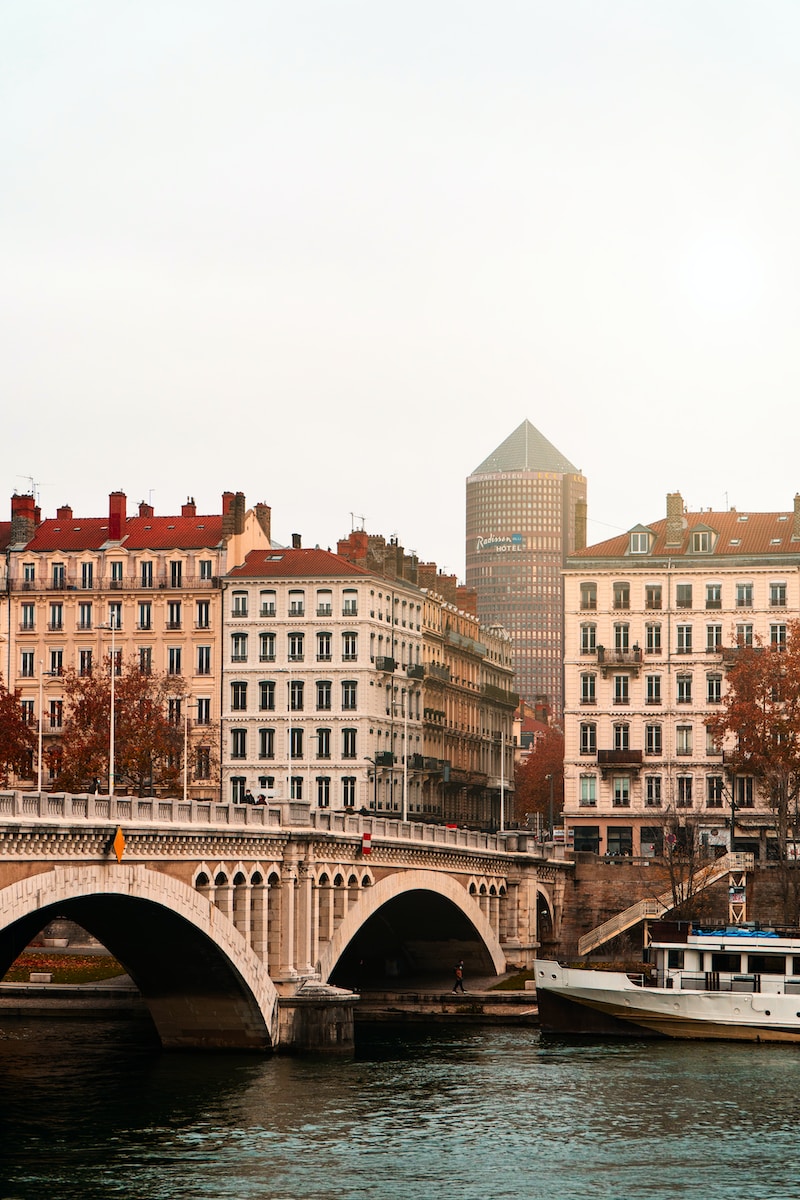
(186, 752)
(112, 625)
(550, 808)
(41, 723)
(374, 783)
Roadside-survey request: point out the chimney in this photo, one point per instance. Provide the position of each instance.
(674, 520)
(796, 523)
(227, 514)
(145, 510)
(580, 525)
(296, 541)
(116, 515)
(239, 512)
(355, 547)
(189, 509)
(264, 518)
(23, 518)
(64, 513)
(467, 599)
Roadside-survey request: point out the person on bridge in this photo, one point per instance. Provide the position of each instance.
(459, 973)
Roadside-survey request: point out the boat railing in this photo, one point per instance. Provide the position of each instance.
(719, 981)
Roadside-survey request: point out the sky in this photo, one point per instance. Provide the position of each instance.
(331, 253)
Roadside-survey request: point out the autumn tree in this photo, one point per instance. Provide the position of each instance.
(533, 777)
(148, 730)
(17, 739)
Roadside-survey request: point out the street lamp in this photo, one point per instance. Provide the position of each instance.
(550, 808)
(112, 625)
(374, 783)
(42, 674)
(186, 752)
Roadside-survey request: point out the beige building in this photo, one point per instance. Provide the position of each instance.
(147, 585)
(648, 616)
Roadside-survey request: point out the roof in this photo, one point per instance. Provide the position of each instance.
(74, 534)
(737, 533)
(296, 564)
(5, 534)
(526, 450)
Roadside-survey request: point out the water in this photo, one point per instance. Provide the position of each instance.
(96, 1111)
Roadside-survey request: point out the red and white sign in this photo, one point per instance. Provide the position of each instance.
(366, 843)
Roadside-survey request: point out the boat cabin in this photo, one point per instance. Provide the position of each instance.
(734, 959)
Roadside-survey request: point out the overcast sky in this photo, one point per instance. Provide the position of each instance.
(331, 254)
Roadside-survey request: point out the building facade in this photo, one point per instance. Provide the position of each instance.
(526, 510)
(649, 617)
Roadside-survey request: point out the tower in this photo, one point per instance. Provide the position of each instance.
(526, 511)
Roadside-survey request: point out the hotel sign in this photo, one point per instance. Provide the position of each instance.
(500, 545)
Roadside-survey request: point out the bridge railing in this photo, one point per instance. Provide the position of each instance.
(53, 807)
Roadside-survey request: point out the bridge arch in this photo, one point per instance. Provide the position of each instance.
(404, 884)
(203, 985)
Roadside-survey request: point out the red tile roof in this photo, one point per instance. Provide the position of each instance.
(61, 535)
(5, 534)
(295, 564)
(738, 533)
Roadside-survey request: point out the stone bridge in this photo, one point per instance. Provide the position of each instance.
(238, 922)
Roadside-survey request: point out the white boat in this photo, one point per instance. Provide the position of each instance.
(739, 983)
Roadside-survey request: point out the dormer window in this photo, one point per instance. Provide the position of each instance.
(640, 543)
(701, 541)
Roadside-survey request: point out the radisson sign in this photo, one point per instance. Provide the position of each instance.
(500, 545)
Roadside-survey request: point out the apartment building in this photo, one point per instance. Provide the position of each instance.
(139, 585)
(649, 616)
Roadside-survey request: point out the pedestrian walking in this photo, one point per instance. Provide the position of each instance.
(458, 986)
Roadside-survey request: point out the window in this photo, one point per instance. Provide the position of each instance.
(57, 662)
(28, 712)
(588, 639)
(323, 791)
(589, 596)
(206, 566)
(202, 762)
(85, 662)
(588, 738)
(239, 697)
(85, 615)
(777, 595)
(701, 541)
(323, 695)
(87, 575)
(621, 638)
(145, 614)
(146, 574)
(653, 689)
(296, 742)
(622, 791)
(652, 791)
(743, 791)
(349, 647)
(683, 798)
(203, 711)
(296, 647)
(238, 647)
(684, 689)
(323, 647)
(174, 614)
(588, 689)
(652, 638)
(622, 737)
(296, 787)
(115, 614)
(266, 743)
(267, 608)
(350, 603)
(777, 637)
(349, 695)
(28, 616)
(684, 633)
(348, 743)
(238, 787)
(683, 595)
(174, 660)
(621, 690)
(713, 595)
(744, 595)
(297, 603)
(652, 740)
(59, 575)
(713, 638)
(266, 695)
(683, 739)
(714, 791)
(174, 711)
(239, 604)
(622, 595)
(323, 743)
(145, 660)
(588, 792)
(56, 616)
(296, 695)
(349, 791)
(266, 647)
(238, 743)
(640, 543)
(744, 635)
(176, 573)
(324, 602)
(652, 596)
(56, 714)
(116, 573)
(713, 689)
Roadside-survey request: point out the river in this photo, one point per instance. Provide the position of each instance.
(95, 1110)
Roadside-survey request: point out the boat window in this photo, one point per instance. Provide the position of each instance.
(675, 959)
(726, 962)
(766, 964)
(796, 964)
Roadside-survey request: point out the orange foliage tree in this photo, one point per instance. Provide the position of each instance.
(148, 741)
(17, 739)
(532, 778)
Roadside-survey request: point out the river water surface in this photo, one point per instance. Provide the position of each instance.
(96, 1111)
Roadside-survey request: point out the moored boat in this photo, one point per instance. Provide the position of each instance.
(738, 983)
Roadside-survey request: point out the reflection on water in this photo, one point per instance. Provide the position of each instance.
(97, 1111)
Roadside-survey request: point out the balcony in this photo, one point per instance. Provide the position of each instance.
(614, 761)
(437, 671)
(324, 610)
(267, 610)
(384, 758)
(415, 671)
(499, 695)
(619, 660)
(386, 664)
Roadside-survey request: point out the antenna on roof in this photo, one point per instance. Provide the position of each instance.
(34, 486)
(357, 517)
